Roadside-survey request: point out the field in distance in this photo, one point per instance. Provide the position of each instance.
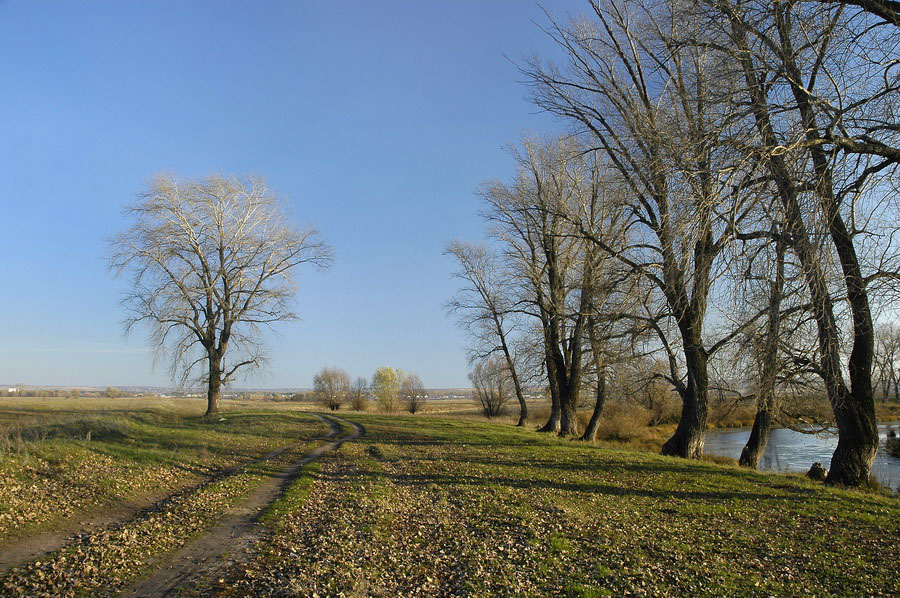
(97, 495)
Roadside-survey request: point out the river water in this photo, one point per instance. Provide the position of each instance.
(794, 451)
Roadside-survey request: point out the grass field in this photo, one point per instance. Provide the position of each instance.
(60, 457)
(436, 506)
(441, 507)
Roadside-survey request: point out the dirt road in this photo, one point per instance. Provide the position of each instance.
(226, 543)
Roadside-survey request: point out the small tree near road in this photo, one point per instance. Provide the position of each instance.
(359, 395)
(210, 263)
(412, 392)
(331, 387)
(386, 388)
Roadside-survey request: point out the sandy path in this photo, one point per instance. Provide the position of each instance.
(235, 533)
(17, 552)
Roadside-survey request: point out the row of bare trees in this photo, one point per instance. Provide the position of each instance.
(723, 202)
(390, 388)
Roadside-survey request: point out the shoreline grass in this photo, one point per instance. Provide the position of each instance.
(429, 505)
(441, 505)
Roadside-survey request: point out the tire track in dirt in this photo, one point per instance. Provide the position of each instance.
(15, 553)
(236, 532)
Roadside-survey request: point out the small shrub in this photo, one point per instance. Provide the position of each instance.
(732, 414)
(359, 402)
(96, 428)
(12, 440)
(623, 423)
(893, 446)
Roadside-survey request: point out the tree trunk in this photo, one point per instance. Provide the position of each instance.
(568, 396)
(511, 364)
(568, 421)
(690, 435)
(759, 437)
(856, 448)
(590, 432)
(552, 424)
(523, 412)
(214, 388)
(766, 404)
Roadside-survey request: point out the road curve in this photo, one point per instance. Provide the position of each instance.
(18, 551)
(235, 533)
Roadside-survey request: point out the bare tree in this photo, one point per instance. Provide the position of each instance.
(887, 360)
(822, 91)
(487, 309)
(331, 386)
(360, 394)
(210, 263)
(490, 382)
(548, 262)
(763, 347)
(644, 103)
(412, 393)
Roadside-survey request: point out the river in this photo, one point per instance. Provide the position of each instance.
(794, 451)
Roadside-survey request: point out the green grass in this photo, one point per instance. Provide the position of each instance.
(60, 458)
(293, 497)
(433, 505)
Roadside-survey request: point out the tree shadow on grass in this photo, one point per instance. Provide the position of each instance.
(359, 474)
(682, 478)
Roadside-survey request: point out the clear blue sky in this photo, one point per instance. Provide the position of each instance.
(377, 119)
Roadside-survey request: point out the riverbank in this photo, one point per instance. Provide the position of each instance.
(433, 506)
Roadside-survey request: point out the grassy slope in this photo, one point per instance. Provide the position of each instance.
(443, 507)
(50, 471)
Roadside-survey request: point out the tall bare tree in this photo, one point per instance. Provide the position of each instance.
(548, 262)
(645, 104)
(210, 263)
(488, 310)
(821, 86)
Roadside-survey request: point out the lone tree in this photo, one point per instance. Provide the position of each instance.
(210, 262)
(386, 388)
(331, 385)
(413, 392)
(486, 308)
(359, 394)
(490, 383)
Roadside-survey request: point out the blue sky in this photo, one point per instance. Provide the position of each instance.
(377, 119)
